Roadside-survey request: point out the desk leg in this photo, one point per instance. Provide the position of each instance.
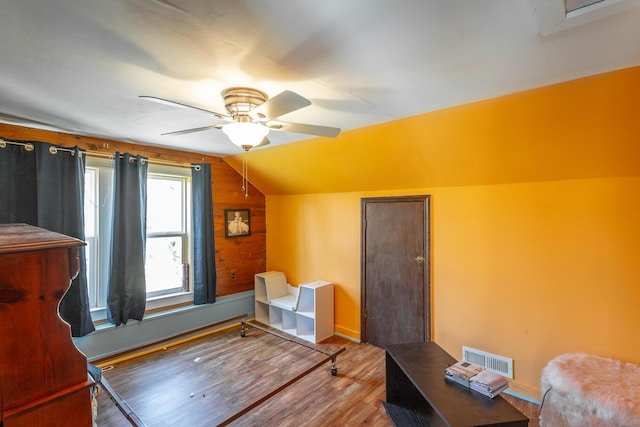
(404, 403)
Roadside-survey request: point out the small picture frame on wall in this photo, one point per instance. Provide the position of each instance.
(237, 223)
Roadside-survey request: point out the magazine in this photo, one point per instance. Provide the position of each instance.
(476, 378)
(488, 383)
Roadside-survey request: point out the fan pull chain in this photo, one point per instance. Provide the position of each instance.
(245, 181)
(243, 166)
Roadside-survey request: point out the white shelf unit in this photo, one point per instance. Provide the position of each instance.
(305, 311)
(262, 306)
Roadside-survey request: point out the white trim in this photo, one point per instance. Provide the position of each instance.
(108, 340)
(346, 337)
(522, 397)
(551, 15)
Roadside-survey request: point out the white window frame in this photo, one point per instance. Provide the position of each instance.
(103, 170)
(168, 172)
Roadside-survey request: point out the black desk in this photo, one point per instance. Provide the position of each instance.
(418, 394)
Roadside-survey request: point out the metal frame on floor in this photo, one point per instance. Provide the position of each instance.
(331, 355)
(330, 352)
(121, 404)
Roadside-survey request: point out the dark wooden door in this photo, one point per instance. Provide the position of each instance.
(395, 270)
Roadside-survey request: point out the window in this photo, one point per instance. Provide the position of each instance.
(167, 239)
(168, 233)
(90, 231)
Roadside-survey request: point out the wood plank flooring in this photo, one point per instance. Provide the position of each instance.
(204, 382)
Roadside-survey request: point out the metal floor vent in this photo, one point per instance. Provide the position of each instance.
(491, 362)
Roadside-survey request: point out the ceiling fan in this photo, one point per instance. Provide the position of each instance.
(252, 114)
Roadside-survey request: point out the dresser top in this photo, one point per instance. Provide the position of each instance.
(25, 237)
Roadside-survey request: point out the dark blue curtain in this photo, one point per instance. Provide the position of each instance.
(204, 258)
(18, 185)
(47, 190)
(126, 294)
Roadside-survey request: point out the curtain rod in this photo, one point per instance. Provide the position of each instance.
(53, 150)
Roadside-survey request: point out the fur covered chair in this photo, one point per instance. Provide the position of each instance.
(580, 390)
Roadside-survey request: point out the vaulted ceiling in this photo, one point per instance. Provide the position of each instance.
(80, 66)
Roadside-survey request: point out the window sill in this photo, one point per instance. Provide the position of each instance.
(154, 305)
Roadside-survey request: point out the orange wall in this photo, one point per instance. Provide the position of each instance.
(533, 270)
(527, 271)
(528, 261)
(586, 128)
(317, 237)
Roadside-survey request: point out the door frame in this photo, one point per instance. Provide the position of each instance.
(426, 199)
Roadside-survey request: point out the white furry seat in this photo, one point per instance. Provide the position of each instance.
(586, 391)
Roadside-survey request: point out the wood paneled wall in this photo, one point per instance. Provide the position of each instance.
(244, 256)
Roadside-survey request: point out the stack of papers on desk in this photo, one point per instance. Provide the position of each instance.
(488, 383)
(462, 372)
(476, 378)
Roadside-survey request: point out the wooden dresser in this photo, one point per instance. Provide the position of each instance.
(43, 376)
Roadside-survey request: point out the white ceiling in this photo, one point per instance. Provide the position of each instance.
(78, 66)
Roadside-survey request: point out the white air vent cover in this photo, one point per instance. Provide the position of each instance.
(573, 5)
(558, 15)
(491, 362)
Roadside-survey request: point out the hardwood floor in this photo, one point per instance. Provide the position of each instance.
(206, 381)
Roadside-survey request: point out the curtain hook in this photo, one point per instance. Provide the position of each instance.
(53, 150)
(28, 147)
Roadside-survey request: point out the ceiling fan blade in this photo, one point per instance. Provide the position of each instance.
(279, 105)
(330, 132)
(182, 132)
(265, 141)
(180, 105)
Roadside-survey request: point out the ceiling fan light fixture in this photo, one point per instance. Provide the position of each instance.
(252, 114)
(245, 134)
